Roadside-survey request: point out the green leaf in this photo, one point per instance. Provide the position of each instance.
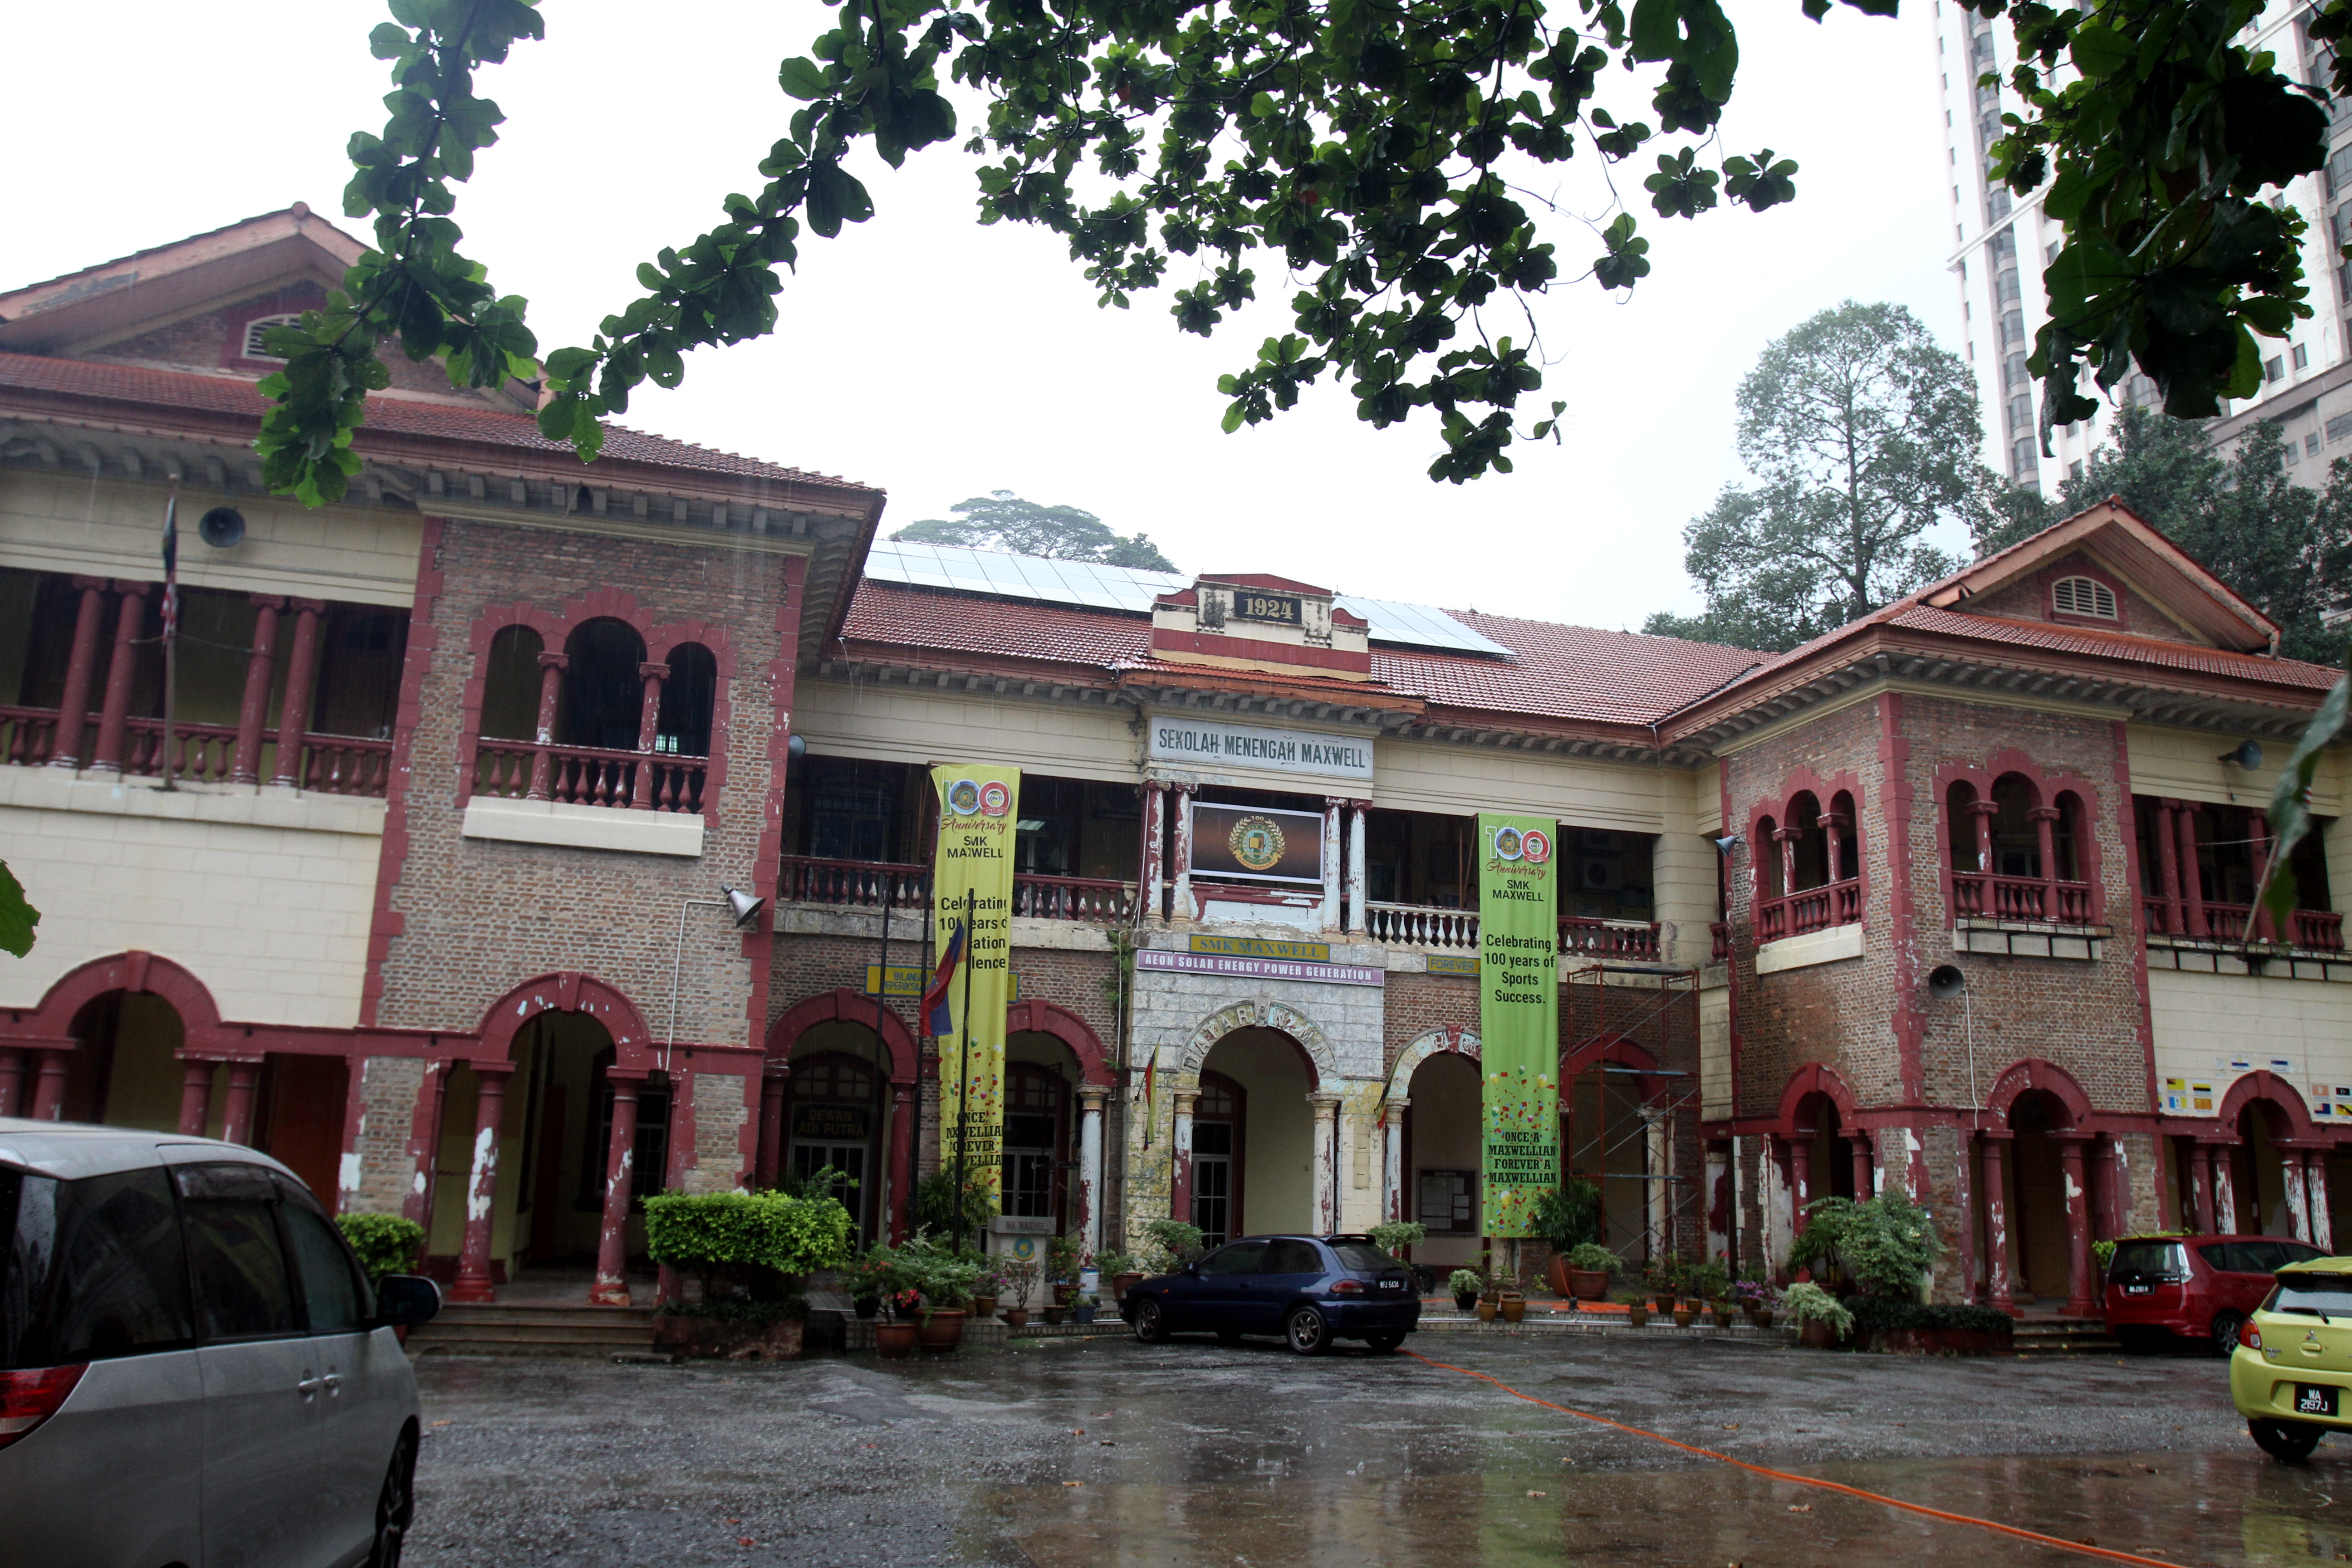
(17, 916)
(802, 79)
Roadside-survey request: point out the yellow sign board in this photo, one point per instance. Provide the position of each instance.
(909, 979)
(1253, 947)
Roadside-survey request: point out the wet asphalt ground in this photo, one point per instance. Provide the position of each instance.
(1109, 1452)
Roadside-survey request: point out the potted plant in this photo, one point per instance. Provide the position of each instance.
(1490, 1301)
(1710, 1282)
(1466, 1286)
(1637, 1309)
(869, 1278)
(1564, 1218)
(751, 1252)
(988, 1289)
(1513, 1306)
(1754, 1298)
(945, 1276)
(1821, 1319)
(1398, 1234)
(1665, 1279)
(1119, 1268)
(1082, 1309)
(386, 1244)
(1065, 1259)
(1588, 1266)
(1170, 1245)
(1015, 1280)
(895, 1336)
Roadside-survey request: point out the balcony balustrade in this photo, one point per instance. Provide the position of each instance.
(207, 754)
(1983, 896)
(870, 884)
(588, 775)
(2316, 931)
(1808, 909)
(1457, 930)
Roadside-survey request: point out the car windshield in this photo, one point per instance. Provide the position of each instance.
(2313, 1295)
(2149, 1258)
(1363, 1257)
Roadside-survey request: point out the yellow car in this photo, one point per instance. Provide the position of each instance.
(2290, 1375)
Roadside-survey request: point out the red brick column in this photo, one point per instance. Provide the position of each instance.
(473, 1282)
(294, 717)
(2192, 889)
(1801, 1174)
(641, 795)
(551, 687)
(2045, 844)
(1147, 877)
(259, 664)
(2167, 856)
(2201, 1182)
(2079, 1301)
(49, 1084)
(195, 1097)
(612, 1287)
(81, 665)
(902, 1147)
(774, 1081)
(114, 712)
(2002, 1297)
(1182, 875)
(1984, 811)
(236, 1114)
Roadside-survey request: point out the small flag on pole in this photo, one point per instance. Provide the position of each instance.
(938, 1018)
(172, 564)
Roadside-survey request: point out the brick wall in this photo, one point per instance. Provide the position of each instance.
(470, 918)
(388, 1090)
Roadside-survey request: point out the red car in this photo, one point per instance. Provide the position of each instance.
(2192, 1286)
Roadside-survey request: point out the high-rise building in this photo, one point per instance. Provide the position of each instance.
(2001, 244)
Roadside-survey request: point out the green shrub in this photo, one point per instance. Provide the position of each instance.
(1173, 1243)
(1708, 1281)
(2103, 1252)
(1110, 1264)
(938, 1209)
(1397, 1234)
(754, 1245)
(1883, 1245)
(732, 1309)
(1565, 1216)
(1591, 1256)
(943, 1272)
(386, 1243)
(1065, 1259)
(1809, 1303)
(1880, 1312)
(1465, 1282)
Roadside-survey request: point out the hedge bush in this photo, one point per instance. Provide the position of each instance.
(758, 1244)
(386, 1243)
(1884, 1312)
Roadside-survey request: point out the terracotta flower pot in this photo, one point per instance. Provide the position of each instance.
(1513, 1308)
(983, 1307)
(1638, 1316)
(1064, 1294)
(1559, 1277)
(1664, 1301)
(1588, 1284)
(1016, 1318)
(1056, 1312)
(941, 1329)
(895, 1341)
(1119, 1283)
(1815, 1334)
(1761, 1317)
(1683, 1314)
(1487, 1308)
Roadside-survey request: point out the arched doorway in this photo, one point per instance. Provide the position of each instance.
(2036, 1199)
(837, 1113)
(1041, 1075)
(1441, 1157)
(1273, 1141)
(1613, 1144)
(2257, 1172)
(125, 1070)
(1220, 1125)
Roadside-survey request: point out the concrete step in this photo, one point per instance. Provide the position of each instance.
(468, 1328)
(2063, 1336)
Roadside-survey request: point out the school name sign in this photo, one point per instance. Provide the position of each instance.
(1211, 746)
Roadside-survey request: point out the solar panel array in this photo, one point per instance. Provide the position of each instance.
(1091, 586)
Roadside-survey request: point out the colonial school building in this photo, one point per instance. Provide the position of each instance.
(426, 877)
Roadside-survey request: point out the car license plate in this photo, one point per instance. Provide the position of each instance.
(2314, 1399)
(1391, 1285)
(2137, 1289)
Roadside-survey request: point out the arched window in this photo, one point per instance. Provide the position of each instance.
(603, 694)
(2016, 844)
(686, 697)
(1843, 853)
(511, 686)
(2083, 596)
(1767, 860)
(1961, 826)
(1810, 851)
(1217, 1121)
(1807, 866)
(2064, 835)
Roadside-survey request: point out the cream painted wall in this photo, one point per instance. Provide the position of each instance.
(1715, 1085)
(264, 895)
(2201, 1017)
(1684, 864)
(362, 555)
(840, 719)
(1278, 1137)
(1420, 775)
(2186, 764)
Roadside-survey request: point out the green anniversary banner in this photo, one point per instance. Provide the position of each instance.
(979, 809)
(1518, 1017)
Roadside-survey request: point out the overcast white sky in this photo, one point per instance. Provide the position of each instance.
(937, 359)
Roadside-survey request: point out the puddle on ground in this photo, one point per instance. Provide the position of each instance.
(2216, 1508)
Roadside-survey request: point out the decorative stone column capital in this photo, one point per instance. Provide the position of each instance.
(1185, 1099)
(553, 661)
(1091, 1097)
(649, 670)
(1326, 1104)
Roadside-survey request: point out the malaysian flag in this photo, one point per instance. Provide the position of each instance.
(938, 1018)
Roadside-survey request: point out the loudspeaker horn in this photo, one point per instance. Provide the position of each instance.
(2249, 755)
(1946, 982)
(744, 905)
(221, 527)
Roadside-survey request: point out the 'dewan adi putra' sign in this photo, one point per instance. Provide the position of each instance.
(1211, 746)
(1518, 1017)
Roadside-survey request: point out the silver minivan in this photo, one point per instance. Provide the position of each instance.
(193, 1370)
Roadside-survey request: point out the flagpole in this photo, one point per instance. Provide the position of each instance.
(171, 625)
(963, 1063)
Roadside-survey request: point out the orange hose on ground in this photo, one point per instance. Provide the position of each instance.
(2035, 1536)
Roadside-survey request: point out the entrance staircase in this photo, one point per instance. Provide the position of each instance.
(542, 1313)
(2035, 1336)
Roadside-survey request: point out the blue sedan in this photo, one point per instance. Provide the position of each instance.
(1309, 1290)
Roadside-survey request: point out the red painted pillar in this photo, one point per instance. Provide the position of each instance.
(902, 1150)
(11, 1081)
(236, 1114)
(1984, 812)
(1863, 1189)
(1148, 878)
(49, 1085)
(1801, 1182)
(473, 1282)
(2168, 857)
(2045, 849)
(294, 716)
(1179, 1149)
(2004, 1298)
(641, 794)
(551, 688)
(1964, 1203)
(1183, 873)
(1786, 838)
(2192, 883)
(259, 665)
(612, 1287)
(2200, 1167)
(81, 665)
(425, 1146)
(774, 1083)
(114, 710)
(196, 1098)
(2079, 1300)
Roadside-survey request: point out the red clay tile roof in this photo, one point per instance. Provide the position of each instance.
(1571, 673)
(2156, 651)
(188, 390)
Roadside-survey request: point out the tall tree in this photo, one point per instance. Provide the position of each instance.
(1378, 154)
(1003, 521)
(2284, 546)
(1861, 433)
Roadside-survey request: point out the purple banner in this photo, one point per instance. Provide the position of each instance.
(1259, 968)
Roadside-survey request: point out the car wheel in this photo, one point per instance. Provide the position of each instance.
(1382, 1344)
(2288, 1440)
(1151, 1326)
(2225, 1332)
(2140, 1340)
(1307, 1333)
(395, 1506)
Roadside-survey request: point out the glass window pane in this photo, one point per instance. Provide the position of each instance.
(243, 1290)
(1240, 1258)
(1287, 1256)
(330, 1287)
(1363, 1257)
(94, 1271)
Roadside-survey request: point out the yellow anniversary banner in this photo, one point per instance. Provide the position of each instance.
(972, 887)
